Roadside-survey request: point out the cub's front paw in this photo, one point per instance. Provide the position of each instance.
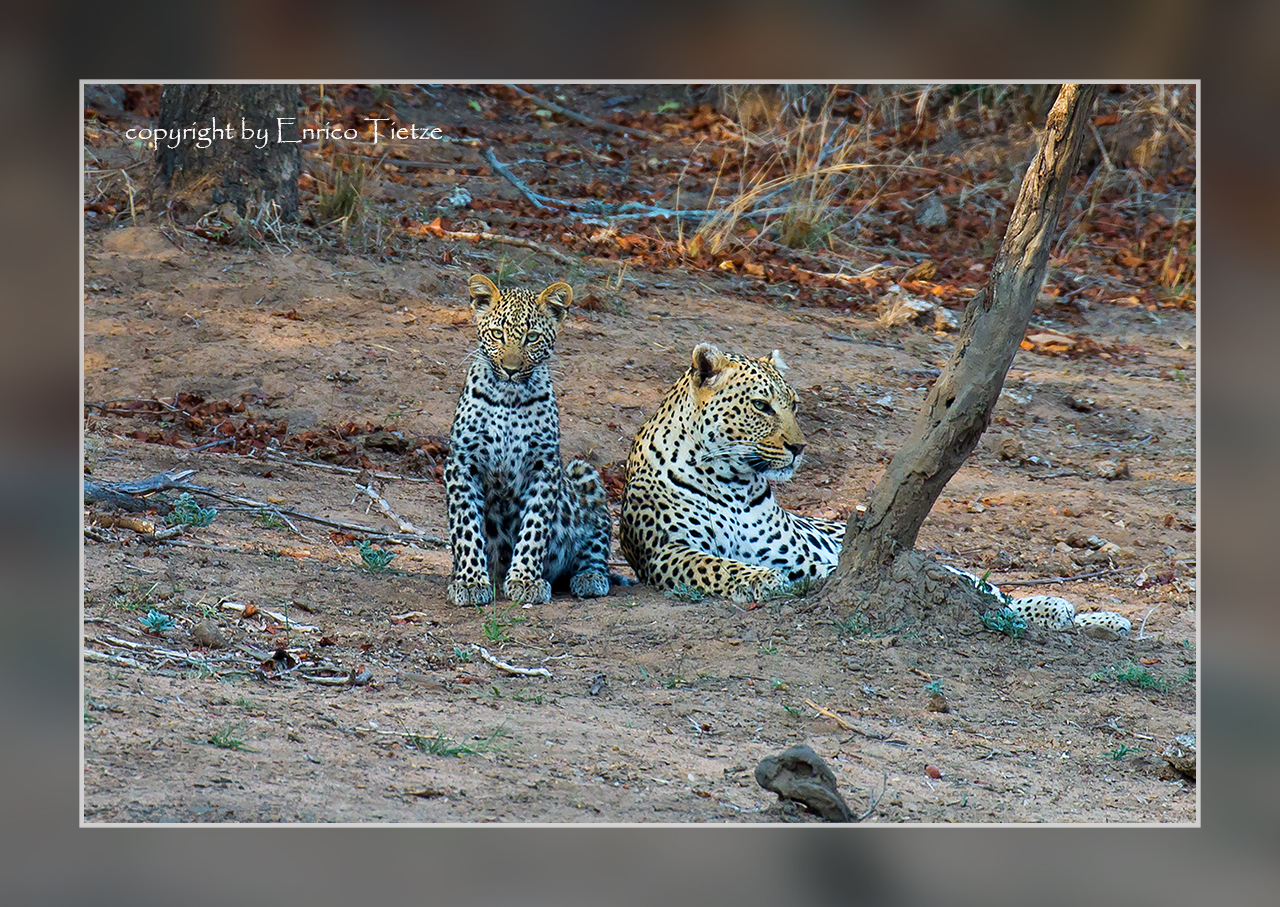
(591, 584)
(462, 593)
(527, 590)
(756, 583)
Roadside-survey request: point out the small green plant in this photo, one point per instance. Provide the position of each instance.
(186, 512)
(776, 684)
(157, 621)
(768, 649)
(1122, 751)
(374, 559)
(462, 655)
(934, 687)
(856, 624)
(268, 519)
(1005, 620)
(225, 739)
(246, 703)
(1132, 674)
(521, 696)
(495, 625)
(792, 710)
(686, 593)
(667, 106)
(135, 600)
(440, 745)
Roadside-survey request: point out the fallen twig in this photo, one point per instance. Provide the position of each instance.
(349, 470)
(286, 622)
(830, 714)
(481, 236)
(536, 199)
(509, 668)
(586, 120)
(94, 655)
(402, 524)
(875, 798)
(1064, 579)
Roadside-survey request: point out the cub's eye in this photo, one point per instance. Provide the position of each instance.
(532, 337)
(763, 406)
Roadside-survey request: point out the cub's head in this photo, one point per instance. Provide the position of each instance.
(746, 411)
(517, 328)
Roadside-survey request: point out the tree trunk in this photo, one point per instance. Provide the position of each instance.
(247, 170)
(956, 410)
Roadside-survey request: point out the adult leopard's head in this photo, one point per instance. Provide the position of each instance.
(746, 412)
(517, 328)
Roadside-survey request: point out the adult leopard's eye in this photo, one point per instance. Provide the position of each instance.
(763, 406)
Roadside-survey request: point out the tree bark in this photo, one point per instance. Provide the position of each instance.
(959, 406)
(245, 171)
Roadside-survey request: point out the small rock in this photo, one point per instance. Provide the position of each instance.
(207, 635)
(1080, 540)
(1110, 469)
(1079, 404)
(1011, 449)
(388, 441)
(457, 198)
(1181, 754)
(938, 703)
(944, 319)
(799, 774)
(933, 215)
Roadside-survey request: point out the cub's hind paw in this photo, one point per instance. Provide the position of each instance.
(463, 593)
(527, 590)
(591, 584)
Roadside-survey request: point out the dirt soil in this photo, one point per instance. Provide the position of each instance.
(657, 709)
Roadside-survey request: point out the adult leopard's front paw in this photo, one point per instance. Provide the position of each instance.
(591, 584)
(464, 593)
(527, 590)
(756, 583)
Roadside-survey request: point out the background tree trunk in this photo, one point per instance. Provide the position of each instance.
(956, 410)
(231, 170)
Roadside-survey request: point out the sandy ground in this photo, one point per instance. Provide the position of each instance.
(657, 709)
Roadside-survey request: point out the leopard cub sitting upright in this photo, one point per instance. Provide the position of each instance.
(514, 510)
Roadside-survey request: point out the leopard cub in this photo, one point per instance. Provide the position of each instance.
(517, 515)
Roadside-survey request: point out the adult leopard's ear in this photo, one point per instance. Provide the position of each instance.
(556, 299)
(483, 292)
(708, 364)
(775, 359)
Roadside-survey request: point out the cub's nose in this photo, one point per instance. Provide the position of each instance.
(796, 449)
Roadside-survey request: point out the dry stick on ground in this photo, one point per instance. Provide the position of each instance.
(481, 236)
(1064, 579)
(176, 481)
(510, 669)
(402, 524)
(349, 470)
(959, 405)
(586, 120)
(594, 207)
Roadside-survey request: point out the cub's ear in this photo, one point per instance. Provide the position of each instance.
(483, 292)
(775, 359)
(556, 299)
(708, 363)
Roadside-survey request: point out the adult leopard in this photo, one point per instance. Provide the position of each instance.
(698, 511)
(518, 517)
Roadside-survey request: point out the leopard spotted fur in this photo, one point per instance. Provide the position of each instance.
(698, 510)
(518, 517)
